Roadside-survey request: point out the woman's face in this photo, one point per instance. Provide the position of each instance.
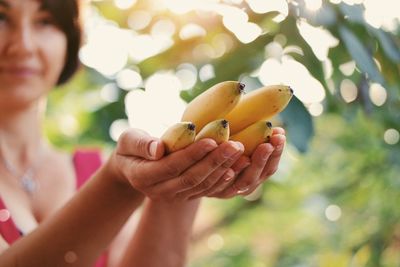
(32, 52)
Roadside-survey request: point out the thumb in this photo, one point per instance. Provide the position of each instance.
(135, 142)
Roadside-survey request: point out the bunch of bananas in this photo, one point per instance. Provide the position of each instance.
(224, 112)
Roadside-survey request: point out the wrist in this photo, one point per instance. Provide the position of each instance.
(114, 173)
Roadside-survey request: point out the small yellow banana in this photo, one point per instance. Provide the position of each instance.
(178, 136)
(217, 130)
(213, 103)
(255, 134)
(260, 104)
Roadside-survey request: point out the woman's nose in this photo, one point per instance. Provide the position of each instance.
(22, 41)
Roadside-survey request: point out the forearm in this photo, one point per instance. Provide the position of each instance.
(80, 230)
(163, 235)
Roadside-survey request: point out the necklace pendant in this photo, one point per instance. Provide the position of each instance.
(28, 183)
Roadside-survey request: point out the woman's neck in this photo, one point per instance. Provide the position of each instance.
(21, 136)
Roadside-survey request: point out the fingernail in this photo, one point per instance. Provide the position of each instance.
(244, 190)
(231, 150)
(228, 176)
(210, 146)
(153, 148)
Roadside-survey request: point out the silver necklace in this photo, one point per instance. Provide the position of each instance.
(26, 179)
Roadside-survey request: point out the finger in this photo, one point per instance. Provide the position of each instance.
(278, 141)
(201, 170)
(250, 176)
(135, 142)
(223, 184)
(242, 163)
(278, 130)
(202, 189)
(151, 173)
(226, 179)
(215, 177)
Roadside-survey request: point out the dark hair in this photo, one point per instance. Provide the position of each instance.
(67, 17)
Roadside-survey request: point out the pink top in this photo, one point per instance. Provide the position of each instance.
(86, 162)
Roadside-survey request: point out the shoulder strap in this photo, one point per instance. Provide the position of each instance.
(86, 162)
(8, 229)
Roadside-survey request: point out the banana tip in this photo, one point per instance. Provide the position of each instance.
(224, 123)
(269, 124)
(241, 87)
(191, 126)
(291, 90)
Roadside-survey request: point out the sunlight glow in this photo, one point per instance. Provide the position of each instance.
(320, 39)
(353, 2)
(261, 6)
(313, 5)
(158, 107)
(124, 4)
(191, 30)
(165, 28)
(288, 71)
(383, 13)
(144, 46)
(106, 49)
(139, 20)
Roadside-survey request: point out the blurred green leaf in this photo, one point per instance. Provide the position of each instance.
(360, 54)
(391, 49)
(298, 123)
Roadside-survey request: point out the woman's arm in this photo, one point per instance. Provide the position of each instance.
(78, 233)
(162, 236)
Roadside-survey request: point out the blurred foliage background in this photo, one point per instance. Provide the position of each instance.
(334, 200)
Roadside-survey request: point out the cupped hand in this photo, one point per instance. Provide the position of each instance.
(139, 160)
(251, 172)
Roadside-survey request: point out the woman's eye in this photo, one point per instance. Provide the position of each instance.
(45, 20)
(3, 17)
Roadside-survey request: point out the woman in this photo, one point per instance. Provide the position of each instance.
(44, 219)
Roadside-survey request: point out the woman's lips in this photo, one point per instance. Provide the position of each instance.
(19, 71)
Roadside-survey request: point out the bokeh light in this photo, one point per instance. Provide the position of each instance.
(313, 5)
(128, 79)
(4, 215)
(215, 242)
(333, 213)
(348, 90)
(391, 136)
(124, 4)
(191, 30)
(110, 92)
(117, 128)
(377, 94)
